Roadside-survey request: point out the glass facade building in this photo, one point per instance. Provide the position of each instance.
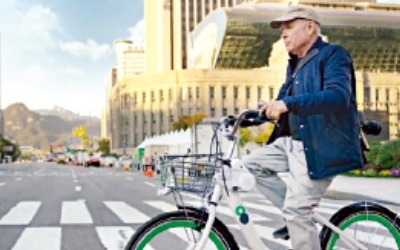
(235, 60)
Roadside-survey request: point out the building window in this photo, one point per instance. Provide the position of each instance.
(387, 94)
(144, 97)
(259, 93)
(190, 93)
(377, 95)
(212, 112)
(367, 94)
(135, 98)
(271, 93)
(247, 92)
(224, 111)
(236, 111)
(198, 92)
(223, 92)
(170, 94)
(212, 92)
(161, 96)
(152, 96)
(235, 92)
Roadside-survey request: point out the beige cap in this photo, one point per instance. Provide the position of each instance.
(295, 12)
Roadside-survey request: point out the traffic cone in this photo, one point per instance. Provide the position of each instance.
(149, 173)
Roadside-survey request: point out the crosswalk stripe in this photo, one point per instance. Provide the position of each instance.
(325, 210)
(262, 207)
(114, 238)
(265, 233)
(2, 184)
(21, 214)
(162, 205)
(44, 238)
(75, 212)
(191, 237)
(126, 213)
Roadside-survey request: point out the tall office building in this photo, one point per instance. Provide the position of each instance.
(168, 24)
(130, 58)
(111, 80)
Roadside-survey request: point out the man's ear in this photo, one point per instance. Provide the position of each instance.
(311, 28)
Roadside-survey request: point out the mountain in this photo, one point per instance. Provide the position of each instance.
(65, 114)
(29, 128)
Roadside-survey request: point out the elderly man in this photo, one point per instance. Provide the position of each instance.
(319, 135)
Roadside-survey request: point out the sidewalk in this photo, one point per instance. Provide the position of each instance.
(383, 190)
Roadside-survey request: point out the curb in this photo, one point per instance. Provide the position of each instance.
(336, 195)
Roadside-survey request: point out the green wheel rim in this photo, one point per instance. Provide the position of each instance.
(366, 217)
(177, 224)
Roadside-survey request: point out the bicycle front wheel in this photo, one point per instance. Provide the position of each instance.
(374, 226)
(180, 230)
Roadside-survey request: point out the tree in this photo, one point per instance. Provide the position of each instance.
(245, 136)
(104, 146)
(187, 121)
(265, 133)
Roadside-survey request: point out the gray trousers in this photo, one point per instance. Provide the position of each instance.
(298, 197)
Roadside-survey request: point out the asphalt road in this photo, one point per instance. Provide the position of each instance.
(45, 206)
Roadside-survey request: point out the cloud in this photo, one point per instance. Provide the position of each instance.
(137, 32)
(33, 31)
(91, 49)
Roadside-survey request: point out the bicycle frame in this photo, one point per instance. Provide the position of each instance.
(233, 178)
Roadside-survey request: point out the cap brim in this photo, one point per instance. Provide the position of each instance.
(276, 23)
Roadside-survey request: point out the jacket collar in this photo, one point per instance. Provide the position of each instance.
(317, 44)
(294, 59)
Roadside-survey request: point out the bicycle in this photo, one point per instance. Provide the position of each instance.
(349, 228)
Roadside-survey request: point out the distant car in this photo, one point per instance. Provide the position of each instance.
(124, 161)
(109, 161)
(93, 161)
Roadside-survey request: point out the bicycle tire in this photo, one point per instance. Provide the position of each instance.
(191, 219)
(364, 216)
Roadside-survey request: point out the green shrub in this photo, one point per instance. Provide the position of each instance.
(370, 172)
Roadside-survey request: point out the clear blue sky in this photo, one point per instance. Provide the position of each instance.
(58, 52)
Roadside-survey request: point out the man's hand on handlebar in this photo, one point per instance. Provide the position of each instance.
(273, 109)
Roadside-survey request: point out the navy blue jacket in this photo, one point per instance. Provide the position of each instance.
(326, 109)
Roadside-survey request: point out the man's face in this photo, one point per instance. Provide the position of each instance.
(296, 35)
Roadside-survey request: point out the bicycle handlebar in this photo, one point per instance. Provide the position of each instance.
(247, 118)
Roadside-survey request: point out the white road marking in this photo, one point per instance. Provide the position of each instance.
(150, 184)
(162, 205)
(75, 212)
(44, 238)
(114, 238)
(78, 188)
(2, 184)
(21, 214)
(265, 233)
(126, 213)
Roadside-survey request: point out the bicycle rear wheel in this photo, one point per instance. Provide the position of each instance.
(182, 229)
(374, 226)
